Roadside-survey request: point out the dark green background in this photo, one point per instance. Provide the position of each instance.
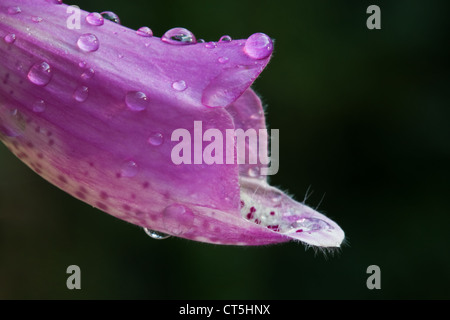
(363, 117)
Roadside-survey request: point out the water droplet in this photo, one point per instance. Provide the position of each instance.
(39, 106)
(14, 10)
(81, 94)
(82, 64)
(120, 56)
(258, 46)
(129, 169)
(201, 41)
(156, 139)
(36, 19)
(310, 224)
(95, 19)
(210, 45)
(253, 172)
(179, 36)
(223, 60)
(111, 16)
(10, 38)
(145, 32)
(136, 100)
(179, 85)
(40, 74)
(225, 39)
(88, 74)
(88, 42)
(178, 219)
(156, 235)
(55, 1)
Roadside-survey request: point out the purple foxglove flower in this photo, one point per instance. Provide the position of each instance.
(93, 108)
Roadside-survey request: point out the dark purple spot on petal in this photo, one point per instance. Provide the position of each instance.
(62, 179)
(101, 206)
(299, 230)
(80, 195)
(104, 195)
(145, 185)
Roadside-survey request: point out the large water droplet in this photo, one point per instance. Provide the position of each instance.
(144, 32)
(156, 235)
(136, 100)
(39, 106)
(258, 46)
(10, 38)
(88, 74)
(225, 39)
(88, 42)
(129, 169)
(14, 10)
(156, 139)
(81, 94)
(111, 16)
(179, 85)
(95, 19)
(179, 36)
(82, 64)
(40, 74)
(178, 219)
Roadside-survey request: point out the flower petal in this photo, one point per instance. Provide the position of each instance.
(93, 111)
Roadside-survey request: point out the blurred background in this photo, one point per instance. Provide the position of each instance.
(364, 120)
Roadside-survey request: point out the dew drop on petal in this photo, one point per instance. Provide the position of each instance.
(179, 85)
(144, 32)
(81, 94)
(201, 41)
(88, 42)
(82, 64)
(40, 74)
(10, 38)
(258, 46)
(156, 139)
(55, 1)
(225, 39)
(111, 16)
(39, 106)
(136, 100)
(129, 169)
(88, 74)
(14, 10)
(179, 36)
(156, 235)
(95, 19)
